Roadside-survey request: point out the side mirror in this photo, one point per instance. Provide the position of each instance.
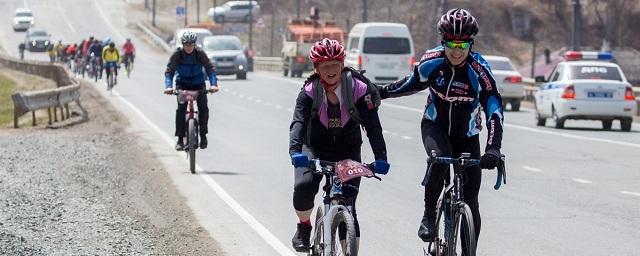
(540, 79)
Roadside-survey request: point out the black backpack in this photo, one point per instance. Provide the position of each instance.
(348, 74)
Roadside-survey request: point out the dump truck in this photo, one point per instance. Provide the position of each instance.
(299, 37)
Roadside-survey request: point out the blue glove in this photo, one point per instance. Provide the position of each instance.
(381, 167)
(168, 81)
(299, 160)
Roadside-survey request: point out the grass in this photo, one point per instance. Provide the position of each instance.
(7, 87)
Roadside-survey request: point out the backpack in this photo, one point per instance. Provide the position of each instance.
(348, 74)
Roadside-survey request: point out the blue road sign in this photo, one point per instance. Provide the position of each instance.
(179, 10)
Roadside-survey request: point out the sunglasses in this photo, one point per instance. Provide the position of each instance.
(452, 45)
(188, 44)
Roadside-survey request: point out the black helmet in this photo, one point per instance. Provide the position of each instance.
(112, 44)
(457, 24)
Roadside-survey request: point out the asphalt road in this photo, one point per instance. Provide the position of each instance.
(570, 192)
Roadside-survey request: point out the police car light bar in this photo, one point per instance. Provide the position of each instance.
(585, 55)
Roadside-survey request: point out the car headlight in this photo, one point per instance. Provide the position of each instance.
(32, 22)
(16, 22)
(46, 42)
(33, 43)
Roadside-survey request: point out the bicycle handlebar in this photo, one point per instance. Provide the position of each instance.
(316, 163)
(465, 161)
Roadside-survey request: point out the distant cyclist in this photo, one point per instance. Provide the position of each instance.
(96, 50)
(129, 52)
(111, 57)
(189, 62)
(458, 83)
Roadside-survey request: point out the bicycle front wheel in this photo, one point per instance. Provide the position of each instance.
(464, 235)
(339, 215)
(317, 248)
(192, 145)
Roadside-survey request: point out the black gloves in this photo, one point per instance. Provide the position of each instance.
(490, 159)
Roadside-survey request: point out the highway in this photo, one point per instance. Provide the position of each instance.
(573, 191)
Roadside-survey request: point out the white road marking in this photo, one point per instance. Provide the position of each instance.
(278, 106)
(258, 101)
(394, 134)
(581, 181)
(385, 131)
(64, 16)
(406, 137)
(261, 230)
(268, 104)
(630, 193)
(290, 110)
(531, 169)
(108, 21)
(566, 135)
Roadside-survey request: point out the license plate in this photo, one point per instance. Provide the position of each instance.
(224, 64)
(599, 94)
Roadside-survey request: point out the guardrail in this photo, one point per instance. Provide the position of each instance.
(155, 39)
(23, 102)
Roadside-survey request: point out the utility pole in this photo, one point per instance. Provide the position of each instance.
(364, 10)
(349, 8)
(298, 9)
(251, 26)
(273, 25)
(577, 20)
(197, 11)
(185, 13)
(153, 13)
(533, 58)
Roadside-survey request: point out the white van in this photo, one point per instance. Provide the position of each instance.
(384, 50)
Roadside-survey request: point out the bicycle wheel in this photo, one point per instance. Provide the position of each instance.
(464, 235)
(192, 144)
(340, 215)
(318, 239)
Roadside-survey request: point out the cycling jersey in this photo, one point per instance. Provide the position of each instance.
(189, 68)
(110, 55)
(96, 49)
(455, 95)
(128, 48)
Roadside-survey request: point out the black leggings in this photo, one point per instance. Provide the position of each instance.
(307, 184)
(203, 115)
(436, 138)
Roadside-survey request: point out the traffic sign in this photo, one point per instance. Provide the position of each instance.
(180, 10)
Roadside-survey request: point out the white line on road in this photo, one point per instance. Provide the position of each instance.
(406, 137)
(581, 181)
(630, 193)
(621, 143)
(108, 21)
(394, 134)
(64, 16)
(278, 106)
(531, 169)
(268, 104)
(276, 244)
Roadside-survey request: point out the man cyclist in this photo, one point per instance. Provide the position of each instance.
(458, 82)
(111, 57)
(96, 50)
(129, 52)
(59, 49)
(329, 134)
(188, 62)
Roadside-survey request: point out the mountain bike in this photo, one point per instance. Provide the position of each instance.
(128, 64)
(455, 230)
(111, 74)
(335, 214)
(191, 137)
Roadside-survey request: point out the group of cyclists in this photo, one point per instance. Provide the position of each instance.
(93, 56)
(459, 85)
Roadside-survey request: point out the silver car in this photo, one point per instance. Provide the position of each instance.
(235, 11)
(508, 80)
(227, 55)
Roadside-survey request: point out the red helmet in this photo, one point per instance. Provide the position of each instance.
(326, 50)
(457, 24)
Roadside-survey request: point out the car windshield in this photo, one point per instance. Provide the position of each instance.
(500, 65)
(595, 72)
(386, 45)
(38, 33)
(23, 14)
(221, 44)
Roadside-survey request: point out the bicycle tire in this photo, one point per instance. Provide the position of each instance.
(338, 215)
(463, 228)
(441, 236)
(318, 239)
(192, 144)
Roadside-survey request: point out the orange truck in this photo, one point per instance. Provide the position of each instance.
(299, 37)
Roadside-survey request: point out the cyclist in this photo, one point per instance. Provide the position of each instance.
(458, 82)
(330, 134)
(85, 47)
(111, 57)
(189, 61)
(59, 49)
(129, 52)
(96, 50)
(51, 50)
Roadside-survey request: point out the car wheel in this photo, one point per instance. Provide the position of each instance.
(625, 125)
(241, 76)
(541, 121)
(515, 105)
(559, 121)
(606, 124)
(220, 19)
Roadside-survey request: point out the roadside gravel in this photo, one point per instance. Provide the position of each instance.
(91, 189)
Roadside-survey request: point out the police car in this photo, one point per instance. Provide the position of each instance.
(587, 86)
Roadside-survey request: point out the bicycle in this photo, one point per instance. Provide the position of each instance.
(455, 229)
(335, 212)
(111, 75)
(128, 64)
(191, 137)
